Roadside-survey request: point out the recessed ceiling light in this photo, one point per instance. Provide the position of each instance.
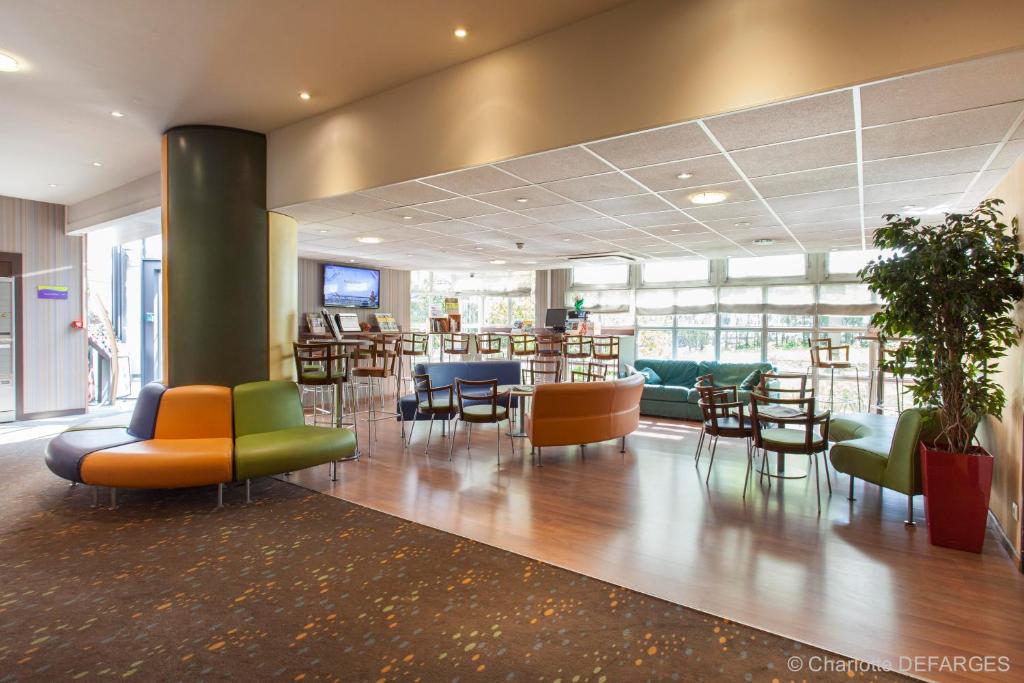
(498, 262)
(529, 262)
(53, 184)
(743, 224)
(911, 207)
(460, 32)
(478, 248)
(8, 63)
(684, 175)
(522, 200)
(97, 163)
(708, 197)
(406, 218)
(763, 242)
(675, 229)
(322, 232)
(351, 260)
(305, 95)
(117, 114)
(566, 239)
(368, 240)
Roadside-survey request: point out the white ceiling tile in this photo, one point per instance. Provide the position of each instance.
(571, 162)
(802, 182)
(949, 131)
(311, 212)
(1009, 154)
(977, 83)
(735, 192)
(460, 207)
(360, 223)
(927, 187)
(405, 194)
(702, 171)
(535, 196)
(933, 206)
(356, 203)
(452, 228)
(603, 186)
(562, 212)
(795, 120)
(821, 215)
(765, 220)
(505, 219)
(589, 224)
(645, 220)
(800, 155)
(825, 226)
(815, 200)
(407, 215)
(475, 180)
(624, 206)
(683, 141)
(676, 230)
(737, 210)
(928, 165)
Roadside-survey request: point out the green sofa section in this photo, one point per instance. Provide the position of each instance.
(271, 436)
(675, 396)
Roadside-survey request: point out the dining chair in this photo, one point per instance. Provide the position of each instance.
(486, 405)
(320, 366)
(589, 372)
(722, 414)
(488, 345)
(810, 437)
(785, 385)
(522, 346)
(576, 351)
(432, 401)
(542, 371)
(707, 380)
(605, 350)
(456, 344)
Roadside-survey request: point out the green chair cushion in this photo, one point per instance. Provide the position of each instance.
(314, 373)
(290, 449)
(440, 404)
(865, 458)
(484, 412)
(784, 438)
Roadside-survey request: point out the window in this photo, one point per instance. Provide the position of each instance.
(849, 262)
(610, 276)
(783, 265)
(687, 270)
(486, 299)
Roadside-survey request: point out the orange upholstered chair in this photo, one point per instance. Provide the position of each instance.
(569, 414)
(191, 445)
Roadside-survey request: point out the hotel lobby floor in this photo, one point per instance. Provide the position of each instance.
(854, 581)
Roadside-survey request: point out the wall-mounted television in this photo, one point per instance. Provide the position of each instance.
(350, 287)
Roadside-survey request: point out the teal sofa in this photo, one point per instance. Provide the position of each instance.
(675, 395)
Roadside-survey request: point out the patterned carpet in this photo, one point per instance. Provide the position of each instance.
(303, 587)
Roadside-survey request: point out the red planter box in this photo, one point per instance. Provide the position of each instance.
(956, 493)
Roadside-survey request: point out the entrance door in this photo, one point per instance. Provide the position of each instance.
(151, 332)
(8, 398)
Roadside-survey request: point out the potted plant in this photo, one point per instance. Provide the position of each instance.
(949, 291)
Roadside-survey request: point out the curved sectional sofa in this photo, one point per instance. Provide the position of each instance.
(199, 435)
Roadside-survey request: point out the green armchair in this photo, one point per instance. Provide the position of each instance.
(882, 450)
(272, 437)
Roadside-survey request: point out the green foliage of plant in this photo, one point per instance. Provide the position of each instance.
(951, 289)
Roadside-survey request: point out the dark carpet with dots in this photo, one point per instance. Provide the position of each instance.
(298, 586)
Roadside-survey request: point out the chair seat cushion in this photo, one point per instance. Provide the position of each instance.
(65, 452)
(161, 464)
(865, 458)
(731, 422)
(484, 412)
(314, 373)
(441, 405)
(287, 450)
(788, 438)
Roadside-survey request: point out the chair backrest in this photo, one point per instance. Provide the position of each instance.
(772, 384)
(543, 370)
(488, 343)
(147, 406)
(826, 346)
(605, 347)
(318, 363)
(199, 411)
(379, 354)
(266, 407)
(413, 343)
(589, 372)
(787, 411)
(523, 344)
(707, 380)
(455, 343)
(426, 391)
(903, 468)
(549, 345)
(480, 392)
(577, 346)
(716, 402)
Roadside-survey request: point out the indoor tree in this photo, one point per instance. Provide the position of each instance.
(951, 289)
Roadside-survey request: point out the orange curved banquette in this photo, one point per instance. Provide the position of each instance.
(578, 413)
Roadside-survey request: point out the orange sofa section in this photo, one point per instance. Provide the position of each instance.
(571, 414)
(200, 411)
(161, 464)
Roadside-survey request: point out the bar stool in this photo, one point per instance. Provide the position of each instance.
(549, 346)
(576, 348)
(522, 346)
(488, 345)
(605, 351)
(833, 362)
(542, 371)
(316, 367)
(589, 372)
(411, 345)
(456, 344)
(382, 365)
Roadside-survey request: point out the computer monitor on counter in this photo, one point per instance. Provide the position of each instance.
(555, 319)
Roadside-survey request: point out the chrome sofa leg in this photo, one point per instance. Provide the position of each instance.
(333, 469)
(220, 495)
(248, 491)
(95, 496)
(539, 464)
(113, 498)
(909, 521)
(850, 496)
(623, 449)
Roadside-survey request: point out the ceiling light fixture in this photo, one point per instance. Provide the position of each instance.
(763, 242)
(675, 229)
(460, 32)
(684, 175)
(498, 262)
(529, 263)
(522, 200)
(566, 239)
(368, 240)
(351, 260)
(53, 184)
(305, 95)
(478, 248)
(406, 218)
(322, 232)
(8, 63)
(97, 164)
(117, 114)
(743, 224)
(708, 197)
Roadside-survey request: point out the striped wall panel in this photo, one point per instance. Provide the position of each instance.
(394, 293)
(54, 354)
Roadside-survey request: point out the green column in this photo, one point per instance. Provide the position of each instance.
(215, 317)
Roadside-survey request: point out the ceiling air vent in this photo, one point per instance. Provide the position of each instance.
(604, 257)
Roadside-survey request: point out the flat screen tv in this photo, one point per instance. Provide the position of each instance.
(350, 287)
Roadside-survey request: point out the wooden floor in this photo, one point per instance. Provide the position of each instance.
(854, 580)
